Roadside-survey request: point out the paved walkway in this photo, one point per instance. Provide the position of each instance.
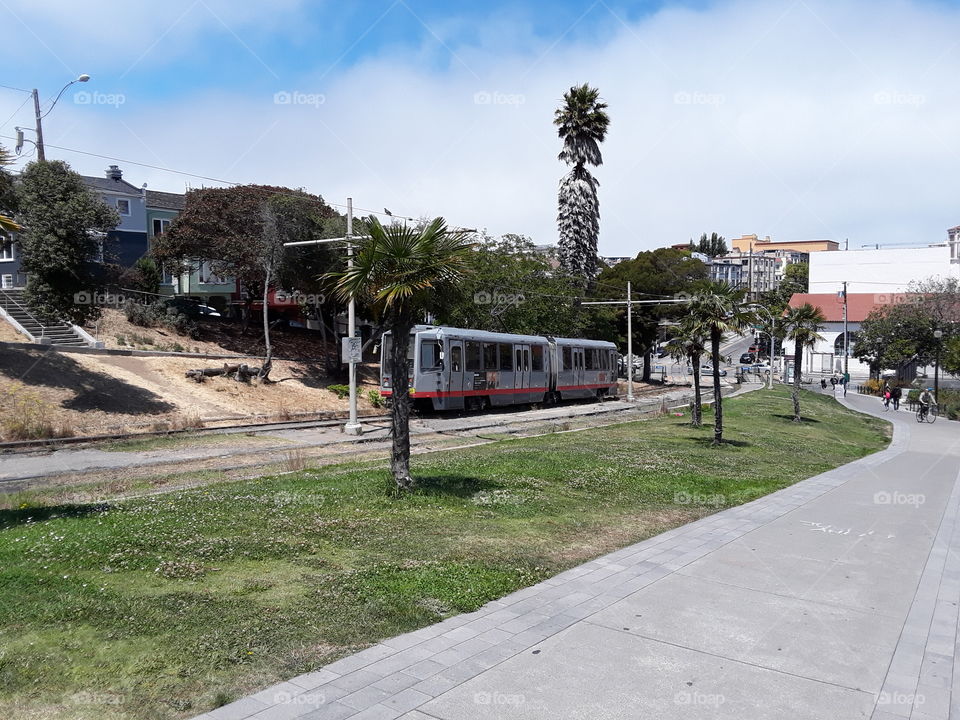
(836, 598)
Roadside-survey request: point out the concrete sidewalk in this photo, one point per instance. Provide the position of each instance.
(836, 598)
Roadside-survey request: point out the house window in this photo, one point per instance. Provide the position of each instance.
(6, 250)
(6, 281)
(123, 206)
(206, 274)
(160, 226)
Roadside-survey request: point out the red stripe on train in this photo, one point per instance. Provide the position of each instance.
(495, 391)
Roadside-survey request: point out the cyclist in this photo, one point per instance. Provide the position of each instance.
(926, 400)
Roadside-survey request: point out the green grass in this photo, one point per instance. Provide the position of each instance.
(186, 440)
(165, 606)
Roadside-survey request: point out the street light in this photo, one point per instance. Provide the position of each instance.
(41, 156)
(938, 334)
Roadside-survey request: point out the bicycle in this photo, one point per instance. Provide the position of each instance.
(928, 414)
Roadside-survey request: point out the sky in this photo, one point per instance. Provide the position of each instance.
(794, 119)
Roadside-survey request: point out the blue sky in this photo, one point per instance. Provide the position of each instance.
(790, 118)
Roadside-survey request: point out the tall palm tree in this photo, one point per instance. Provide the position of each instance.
(802, 325)
(720, 309)
(689, 343)
(399, 271)
(582, 124)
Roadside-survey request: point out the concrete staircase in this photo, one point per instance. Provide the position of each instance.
(55, 333)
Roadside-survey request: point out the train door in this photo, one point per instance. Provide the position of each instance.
(565, 370)
(578, 374)
(455, 375)
(522, 373)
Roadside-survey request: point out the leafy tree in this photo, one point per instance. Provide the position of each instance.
(63, 232)
(582, 124)
(8, 196)
(241, 231)
(689, 343)
(144, 276)
(402, 273)
(712, 246)
(510, 286)
(719, 308)
(795, 280)
(664, 273)
(802, 325)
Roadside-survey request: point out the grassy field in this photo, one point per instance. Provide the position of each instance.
(166, 606)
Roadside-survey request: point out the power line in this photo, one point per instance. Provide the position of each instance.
(11, 87)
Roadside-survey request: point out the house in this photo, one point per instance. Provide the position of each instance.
(10, 274)
(748, 243)
(126, 243)
(827, 355)
(754, 272)
(199, 283)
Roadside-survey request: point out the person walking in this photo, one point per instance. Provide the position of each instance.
(895, 396)
(886, 394)
(845, 381)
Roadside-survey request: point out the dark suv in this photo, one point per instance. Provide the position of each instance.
(747, 359)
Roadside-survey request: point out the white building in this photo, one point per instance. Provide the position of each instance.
(880, 271)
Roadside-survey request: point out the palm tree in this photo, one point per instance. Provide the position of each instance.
(582, 125)
(398, 271)
(690, 343)
(803, 325)
(719, 308)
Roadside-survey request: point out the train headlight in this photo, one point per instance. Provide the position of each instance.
(386, 382)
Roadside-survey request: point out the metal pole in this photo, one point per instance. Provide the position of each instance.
(629, 344)
(772, 331)
(846, 336)
(352, 427)
(936, 375)
(36, 113)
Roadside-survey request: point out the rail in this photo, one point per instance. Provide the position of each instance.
(6, 301)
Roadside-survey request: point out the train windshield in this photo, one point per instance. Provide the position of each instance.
(385, 361)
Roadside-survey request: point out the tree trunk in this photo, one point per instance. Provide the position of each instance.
(697, 400)
(717, 397)
(797, 356)
(268, 361)
(647, 360)
(400, 407)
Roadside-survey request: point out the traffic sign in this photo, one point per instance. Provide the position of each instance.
(351, 350)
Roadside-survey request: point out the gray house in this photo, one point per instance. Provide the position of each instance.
(124, 245)
(128, 242)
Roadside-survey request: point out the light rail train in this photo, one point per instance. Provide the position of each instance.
(459, 369)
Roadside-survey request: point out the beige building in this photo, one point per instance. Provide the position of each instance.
(753, 243)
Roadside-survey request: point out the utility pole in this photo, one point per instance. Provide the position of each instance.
(846, 334)
(352, 427)
(629, 344)
(39, 125)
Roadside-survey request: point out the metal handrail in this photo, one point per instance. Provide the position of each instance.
(6, 306)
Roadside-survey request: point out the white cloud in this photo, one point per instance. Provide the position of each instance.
(795, 120)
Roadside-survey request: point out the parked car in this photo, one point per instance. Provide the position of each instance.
(706, 370)
(207, 311)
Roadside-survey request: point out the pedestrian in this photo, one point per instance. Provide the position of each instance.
(887, 395)
(833, 381)
(846, 381)
(823, 383)
(895, 396)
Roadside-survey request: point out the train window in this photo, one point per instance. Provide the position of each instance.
(519, 360)
(489, 356)
(474, 357)
(537, 358)
(456, 358)
(567, 363)
(590, 355)
(506, 357)
(602, 357)
(526, 360)
(430, 351)
(579, 358)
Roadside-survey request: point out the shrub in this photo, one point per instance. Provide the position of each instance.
(25, 416)
(173, 313)
(375, 398)
(342, 391)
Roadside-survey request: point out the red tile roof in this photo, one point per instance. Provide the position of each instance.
(859, 305)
